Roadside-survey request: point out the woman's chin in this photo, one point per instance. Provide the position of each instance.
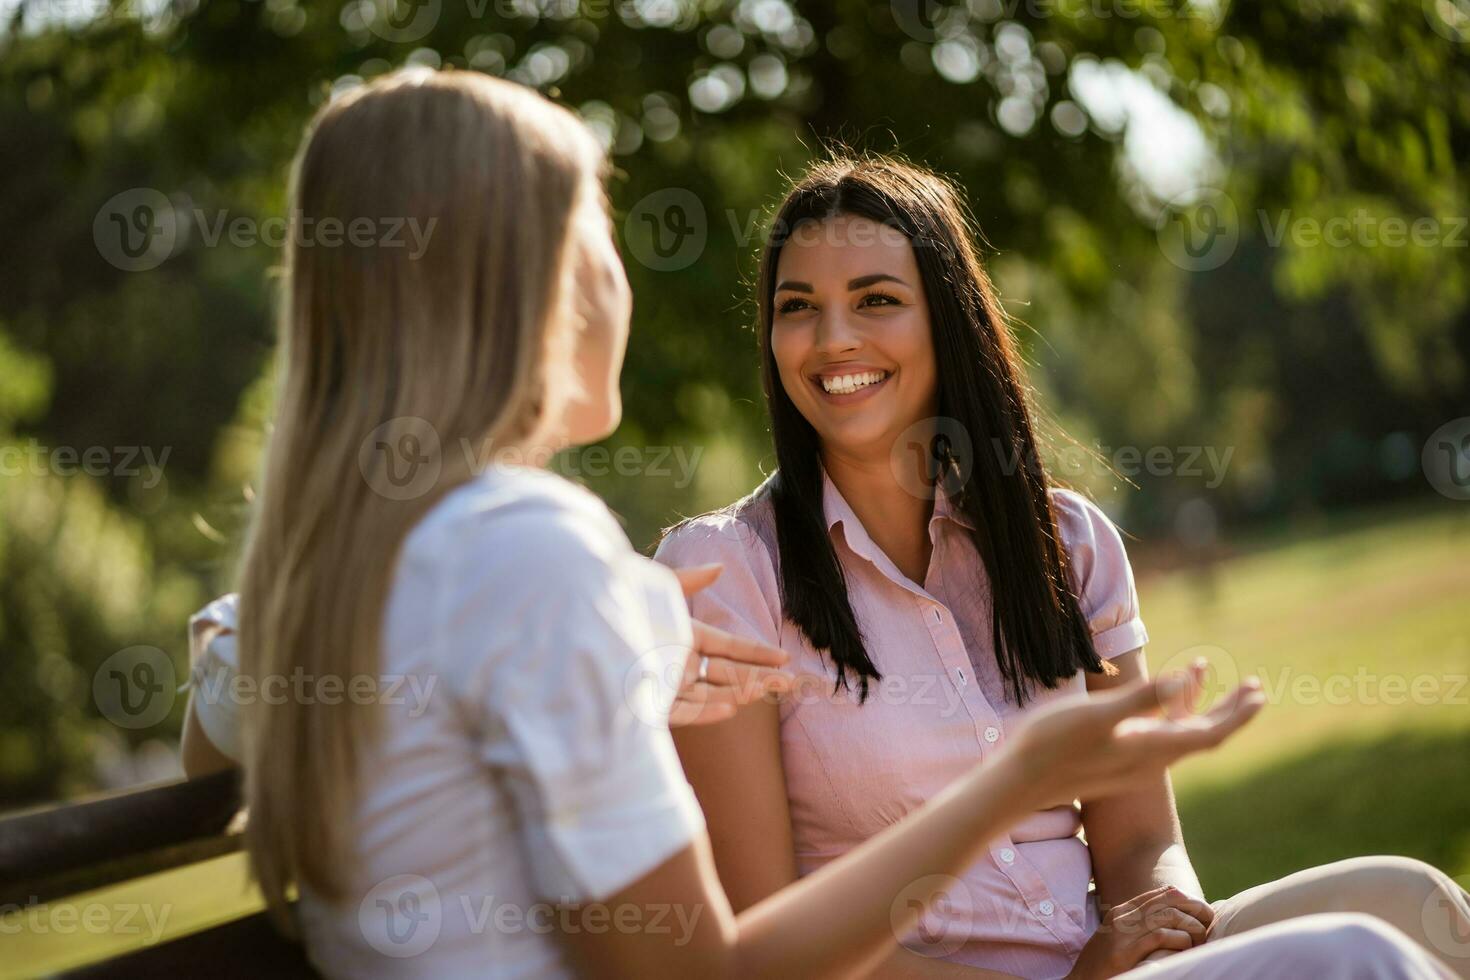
(856, 438)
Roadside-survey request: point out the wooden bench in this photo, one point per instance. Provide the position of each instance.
(145, 882)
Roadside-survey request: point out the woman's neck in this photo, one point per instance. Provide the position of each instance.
(895, 518)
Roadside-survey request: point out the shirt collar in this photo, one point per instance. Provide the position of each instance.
(836, 510)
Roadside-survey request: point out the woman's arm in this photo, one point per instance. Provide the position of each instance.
(844, 920)
(735, 769)
(1135, 838)
(197, 753)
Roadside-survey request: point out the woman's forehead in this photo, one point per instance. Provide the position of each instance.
(838, 244)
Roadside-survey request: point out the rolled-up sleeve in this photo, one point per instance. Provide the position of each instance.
(1101, 575)
(567, 683)
(214, 663)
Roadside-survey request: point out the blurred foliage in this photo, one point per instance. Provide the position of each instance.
(1074, 125)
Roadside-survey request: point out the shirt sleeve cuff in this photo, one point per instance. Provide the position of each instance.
(1118, 640)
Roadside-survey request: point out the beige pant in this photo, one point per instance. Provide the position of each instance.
(1367, 917)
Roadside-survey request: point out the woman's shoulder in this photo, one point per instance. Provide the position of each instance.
(742, 531)
(1094, 545)
(1080, 521)
(523, 514)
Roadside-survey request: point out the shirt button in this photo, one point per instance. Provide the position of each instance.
(992, 734)
(1047, 908)
(1007, 855)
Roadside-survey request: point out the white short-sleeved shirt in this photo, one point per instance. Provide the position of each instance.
(525, 756)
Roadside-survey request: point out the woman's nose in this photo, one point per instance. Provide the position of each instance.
(836, 334)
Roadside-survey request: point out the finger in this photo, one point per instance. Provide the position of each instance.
(1140, 697)
(684, 713)
(1123, 908)
(1194, 679)
(1169, 741)
(1229, 704)
(1198, 909)
(712, 641)
(749, 682)
(1156, 939)
(697, 577)
(1170, 916)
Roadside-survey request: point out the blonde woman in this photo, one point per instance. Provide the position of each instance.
(525, 815)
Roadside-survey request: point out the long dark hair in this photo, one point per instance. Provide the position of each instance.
(1039, 632)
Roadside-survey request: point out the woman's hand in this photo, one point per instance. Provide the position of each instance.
(723, 671)
(1163, 919)
(1096, 745)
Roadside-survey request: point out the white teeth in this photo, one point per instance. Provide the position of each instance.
(843, 384)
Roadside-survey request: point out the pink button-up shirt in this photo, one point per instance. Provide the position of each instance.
(941, 708)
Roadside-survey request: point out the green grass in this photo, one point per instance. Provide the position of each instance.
(1349, 756)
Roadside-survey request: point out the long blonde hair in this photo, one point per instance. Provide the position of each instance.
(385, 348)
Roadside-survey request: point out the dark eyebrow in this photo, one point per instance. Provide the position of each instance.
(862, 281)
(795, 286)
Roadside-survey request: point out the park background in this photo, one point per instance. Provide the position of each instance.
(1231, 235)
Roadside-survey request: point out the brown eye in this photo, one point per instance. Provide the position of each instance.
(878, 299)
(792, 306)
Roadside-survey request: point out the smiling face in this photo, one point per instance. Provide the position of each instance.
(850, 334)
